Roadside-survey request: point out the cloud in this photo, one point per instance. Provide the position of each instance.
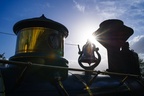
(110, 8)
(79, 6)
(136, 39)
(103, 9)
(137, 44)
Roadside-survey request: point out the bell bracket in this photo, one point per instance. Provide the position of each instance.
(89, 58)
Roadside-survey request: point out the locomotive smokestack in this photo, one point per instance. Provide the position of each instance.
(113, 34)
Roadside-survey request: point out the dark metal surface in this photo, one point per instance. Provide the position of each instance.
(37, 82)
(40, 22)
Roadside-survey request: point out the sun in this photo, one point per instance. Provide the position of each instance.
(87, 34)
(85, 30)
(91, 38)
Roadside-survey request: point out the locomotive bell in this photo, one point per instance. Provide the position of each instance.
(87, 55)
(40, 40)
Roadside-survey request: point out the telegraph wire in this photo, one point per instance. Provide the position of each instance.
(7, 33)
(72, 44)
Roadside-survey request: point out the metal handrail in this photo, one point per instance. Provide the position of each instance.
(94, 72)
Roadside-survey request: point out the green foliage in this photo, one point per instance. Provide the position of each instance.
(141, 62)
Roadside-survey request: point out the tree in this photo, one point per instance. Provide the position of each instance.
(141, 62)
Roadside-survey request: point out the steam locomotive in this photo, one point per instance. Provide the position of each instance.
(39, 69)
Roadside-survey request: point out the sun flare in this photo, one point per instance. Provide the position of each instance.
(91, 38)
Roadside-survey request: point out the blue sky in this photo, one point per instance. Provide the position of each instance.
(81, 17)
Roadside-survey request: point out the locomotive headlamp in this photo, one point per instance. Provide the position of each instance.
(40, 40)
(40, 37)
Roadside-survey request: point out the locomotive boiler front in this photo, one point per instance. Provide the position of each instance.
(41, 40)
